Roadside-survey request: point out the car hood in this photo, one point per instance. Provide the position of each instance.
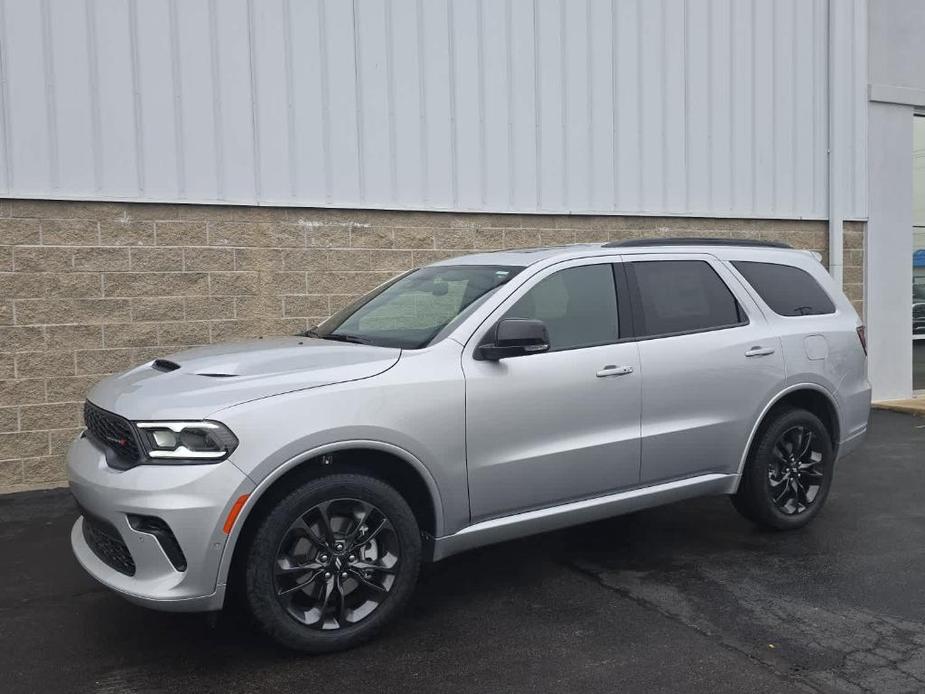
(197, 382)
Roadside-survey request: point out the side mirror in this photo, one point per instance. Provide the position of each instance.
(514, 337)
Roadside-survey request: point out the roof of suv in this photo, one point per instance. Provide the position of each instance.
(522, 257)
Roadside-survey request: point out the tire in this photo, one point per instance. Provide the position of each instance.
(787, 477)
(318, 586)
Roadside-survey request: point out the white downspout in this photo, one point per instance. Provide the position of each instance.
(836, 221)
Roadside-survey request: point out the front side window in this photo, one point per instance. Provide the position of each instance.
(578, 306)
(412, 310)
(681, 296)
(787, 290)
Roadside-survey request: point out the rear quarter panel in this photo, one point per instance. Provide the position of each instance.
(824, 349)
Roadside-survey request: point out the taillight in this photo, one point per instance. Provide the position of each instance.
(862, 336)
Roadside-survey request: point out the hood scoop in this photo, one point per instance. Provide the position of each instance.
(167, 365)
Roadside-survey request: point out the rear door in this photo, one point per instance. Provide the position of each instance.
(709, 361)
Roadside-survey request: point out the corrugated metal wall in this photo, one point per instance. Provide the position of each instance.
(714, 107)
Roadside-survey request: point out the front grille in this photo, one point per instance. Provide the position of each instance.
(106, 543)
(114, 433)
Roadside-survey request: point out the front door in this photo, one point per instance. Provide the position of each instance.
(543, 429)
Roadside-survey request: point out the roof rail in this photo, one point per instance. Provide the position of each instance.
(695, 241)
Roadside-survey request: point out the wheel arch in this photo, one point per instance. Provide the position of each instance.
(808, 396)
(381, 460)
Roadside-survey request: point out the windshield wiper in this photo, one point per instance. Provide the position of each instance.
(344, 338)
(336, 337)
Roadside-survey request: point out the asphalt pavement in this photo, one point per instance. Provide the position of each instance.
(684, 598)
(918, 364)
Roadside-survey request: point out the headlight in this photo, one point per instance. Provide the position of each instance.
(203, 442)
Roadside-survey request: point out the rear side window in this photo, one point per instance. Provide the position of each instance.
(788, 290)
(680, 296)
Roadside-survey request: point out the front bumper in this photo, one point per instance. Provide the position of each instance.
(193, 500)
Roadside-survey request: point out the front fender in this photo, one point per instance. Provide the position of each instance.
(278, 471)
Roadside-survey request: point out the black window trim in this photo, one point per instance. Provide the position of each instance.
(626, 321)
(636, 301)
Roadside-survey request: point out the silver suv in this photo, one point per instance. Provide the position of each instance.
(468, 402)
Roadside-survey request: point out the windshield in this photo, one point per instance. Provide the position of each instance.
(414, 308)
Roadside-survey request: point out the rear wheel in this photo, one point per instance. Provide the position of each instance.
(788, 474)
(332, 563)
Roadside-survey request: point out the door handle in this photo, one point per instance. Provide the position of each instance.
(613, 370)
(759, 351)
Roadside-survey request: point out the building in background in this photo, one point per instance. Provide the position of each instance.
(918, 256)
(178, 172)
(896, 91)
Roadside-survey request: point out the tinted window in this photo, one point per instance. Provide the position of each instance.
(676, 296)
(578, 305)
(789, 291)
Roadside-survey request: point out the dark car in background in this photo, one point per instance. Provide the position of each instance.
(918, 318)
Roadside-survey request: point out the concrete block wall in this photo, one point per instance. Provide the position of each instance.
(88, 289)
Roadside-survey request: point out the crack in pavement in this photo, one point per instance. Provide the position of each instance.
(673, 605)
(828, 647)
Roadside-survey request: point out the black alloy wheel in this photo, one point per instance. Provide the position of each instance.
(336, 563)
(796, 473)
(788, 471)
(329, 563)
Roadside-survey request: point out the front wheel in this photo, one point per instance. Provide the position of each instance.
(788, 474)
(332, 563)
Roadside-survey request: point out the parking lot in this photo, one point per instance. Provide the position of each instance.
(688, 597)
